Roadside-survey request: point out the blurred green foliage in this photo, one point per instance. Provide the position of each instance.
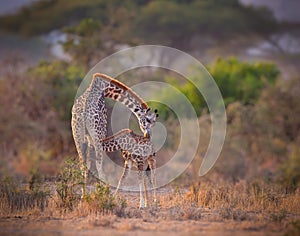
(242, 81)
(43, 16)
(237, 81)
(173, 23)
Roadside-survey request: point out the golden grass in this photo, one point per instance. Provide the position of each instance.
(245, 206)
(255, 201)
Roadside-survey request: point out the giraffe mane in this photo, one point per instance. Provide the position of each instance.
(122, 86)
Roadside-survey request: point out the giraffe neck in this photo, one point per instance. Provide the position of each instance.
(119, 92)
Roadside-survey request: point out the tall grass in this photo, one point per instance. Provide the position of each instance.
(17, 198)
(240, 201)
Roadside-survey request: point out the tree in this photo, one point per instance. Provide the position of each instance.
(175, 23)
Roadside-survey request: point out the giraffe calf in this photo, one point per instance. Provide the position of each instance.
(136, 150)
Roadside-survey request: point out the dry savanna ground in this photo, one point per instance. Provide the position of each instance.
(203, 208)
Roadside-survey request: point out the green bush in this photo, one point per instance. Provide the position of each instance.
(242, 81)
(238, 81)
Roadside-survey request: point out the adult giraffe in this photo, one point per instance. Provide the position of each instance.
(89, 117)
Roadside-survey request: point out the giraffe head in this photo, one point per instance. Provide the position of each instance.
(147, 121)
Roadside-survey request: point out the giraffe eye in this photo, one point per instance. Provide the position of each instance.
(147, 119)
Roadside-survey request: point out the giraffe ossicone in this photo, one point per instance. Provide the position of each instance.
(89, 126)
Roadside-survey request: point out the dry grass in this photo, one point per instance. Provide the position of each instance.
(18, 198)
(239, 202)
(253, 206)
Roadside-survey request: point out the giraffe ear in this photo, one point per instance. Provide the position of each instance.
(148, 110)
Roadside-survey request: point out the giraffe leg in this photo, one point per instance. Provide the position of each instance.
(99, 159)
(152, 165)
(127, 167)
(143, 203)
(78, 131)
(82, 161)
(90, 153)
(146, 188)
(82, 148)
(83, 171)
(95, 154)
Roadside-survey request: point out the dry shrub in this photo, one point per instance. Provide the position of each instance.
(68, 189)
(68, 185)
(102, 201)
